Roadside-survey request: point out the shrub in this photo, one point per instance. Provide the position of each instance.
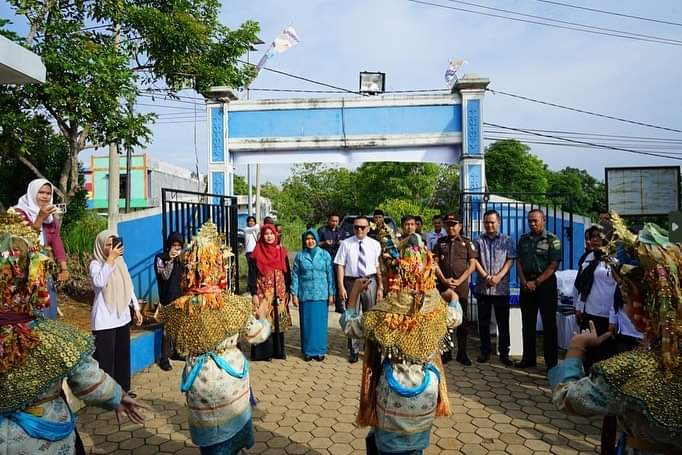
(79, 236)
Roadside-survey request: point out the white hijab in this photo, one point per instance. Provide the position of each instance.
(119, 289)
(28, 203)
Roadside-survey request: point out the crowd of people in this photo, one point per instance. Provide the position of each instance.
(400, 296)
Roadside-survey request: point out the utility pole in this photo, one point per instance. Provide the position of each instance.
(114, 183)
(258, 214)
(129, 158)
(114, 167)
(249, 210)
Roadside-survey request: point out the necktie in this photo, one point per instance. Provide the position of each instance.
(362, 264)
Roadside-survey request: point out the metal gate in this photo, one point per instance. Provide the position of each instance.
(186, 211)
(513, 211)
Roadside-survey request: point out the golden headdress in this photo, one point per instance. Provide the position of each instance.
(651, 284)
(647, 270)
(408, 325)
(35, 353)
(23, 288)
(208, 312)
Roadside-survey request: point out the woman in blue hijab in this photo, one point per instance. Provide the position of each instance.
(313, 288)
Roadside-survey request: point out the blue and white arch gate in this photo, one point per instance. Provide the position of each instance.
(438, 128)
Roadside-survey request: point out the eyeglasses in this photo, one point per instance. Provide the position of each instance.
(359, 228)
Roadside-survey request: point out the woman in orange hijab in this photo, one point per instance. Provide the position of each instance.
(270, 292)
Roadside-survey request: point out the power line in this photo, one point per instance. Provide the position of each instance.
(163, 106)
(294, 90)
(171, 98)
(173, 122)
(658, 41)
(578, 146)
(613, 13)
(312, 81)
(583, 111)
(652, 143)
(497, 136)
(559, 21)
(603, 146)
(619, 136)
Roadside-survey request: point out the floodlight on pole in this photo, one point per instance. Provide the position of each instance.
(372, 83)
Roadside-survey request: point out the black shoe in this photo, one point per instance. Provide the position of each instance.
(320, 358)
(506, 361)
(463, 359)
(524, 364)
(446, 356)
(307, 358)
(353, 357)
(483, 358)
(166, 366)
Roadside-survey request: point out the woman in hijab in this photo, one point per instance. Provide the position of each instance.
(38, 211)
(110, 319)
(312, 287)
(271, 292)
(169, 271)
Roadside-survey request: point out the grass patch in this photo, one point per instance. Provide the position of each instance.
(79, 237)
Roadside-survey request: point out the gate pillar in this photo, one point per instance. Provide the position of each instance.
(471, 89)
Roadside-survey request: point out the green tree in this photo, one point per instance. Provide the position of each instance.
(313, 190)
(29, 146)
(511, 168)
(588, 195)
(240, 185)
(100, 56)
(398, 208)
(446, 190)
(379, 182)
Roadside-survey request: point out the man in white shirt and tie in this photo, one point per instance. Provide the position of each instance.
(358, 257)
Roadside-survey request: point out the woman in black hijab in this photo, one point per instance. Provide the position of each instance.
(169, 269)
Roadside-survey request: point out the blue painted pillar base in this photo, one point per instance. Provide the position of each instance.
(145, 348)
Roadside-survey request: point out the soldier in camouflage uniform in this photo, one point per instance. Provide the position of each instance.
(539, 253)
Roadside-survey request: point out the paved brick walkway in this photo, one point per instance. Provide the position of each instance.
(309, 408)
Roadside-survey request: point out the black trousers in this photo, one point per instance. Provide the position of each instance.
(112, 351)
(500, 303)
(166, 349)
(544, 298)
(251, 273)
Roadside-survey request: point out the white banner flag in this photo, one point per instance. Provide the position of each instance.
(284, 41)
(451, 72)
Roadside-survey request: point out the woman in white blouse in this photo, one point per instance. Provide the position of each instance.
(594, 285)
(110, 318)
(594, 291)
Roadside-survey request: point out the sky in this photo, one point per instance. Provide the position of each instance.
(412, 43)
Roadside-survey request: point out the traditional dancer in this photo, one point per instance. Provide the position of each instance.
(403, 382)
(643, 387)
(205, 324)
(36, 354)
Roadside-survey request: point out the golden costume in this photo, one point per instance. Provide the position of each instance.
(36, 354)
(403, 383)
(205, 324)
(642, 388)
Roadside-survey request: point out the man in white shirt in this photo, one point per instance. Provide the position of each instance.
(438, 232)
(251, 233)
(358, 257)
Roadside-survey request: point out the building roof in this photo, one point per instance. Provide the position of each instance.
(18, 65)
